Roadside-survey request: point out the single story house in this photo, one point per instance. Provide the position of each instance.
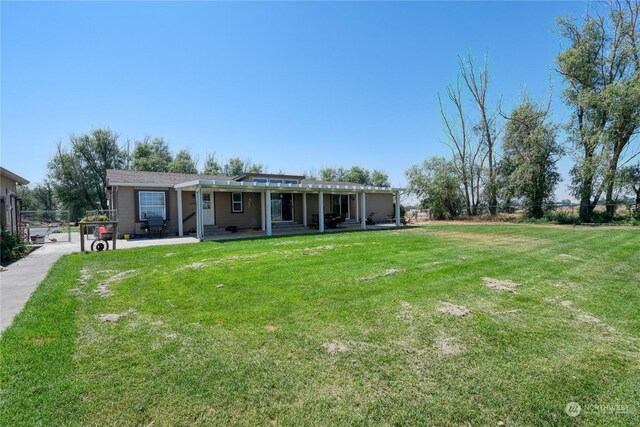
(9, 209)
(206, 205)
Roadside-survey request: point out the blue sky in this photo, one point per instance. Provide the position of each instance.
(294, 85)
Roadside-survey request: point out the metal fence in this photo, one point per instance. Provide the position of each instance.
(40, 227)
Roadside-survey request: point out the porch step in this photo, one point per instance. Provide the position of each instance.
(287, 226)
(214, 230)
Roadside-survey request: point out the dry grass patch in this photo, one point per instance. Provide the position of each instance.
(449, 346)
(335, 347)
(500, 285)
(514, 241)
(113, 317)
(569, 257)
(387, 272)
(453, 309)
(103, 288)
(194, 266)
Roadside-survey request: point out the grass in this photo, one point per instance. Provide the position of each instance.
(336, 329)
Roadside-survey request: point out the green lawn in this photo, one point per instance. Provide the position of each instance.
(336, 329)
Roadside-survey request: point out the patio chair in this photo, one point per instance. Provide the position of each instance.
(154, 224)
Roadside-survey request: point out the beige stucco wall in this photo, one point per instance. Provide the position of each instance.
(126, 206)
(248, 219)
(8, 208)
(380, 204)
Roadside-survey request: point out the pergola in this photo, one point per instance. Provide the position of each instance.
(265, 190)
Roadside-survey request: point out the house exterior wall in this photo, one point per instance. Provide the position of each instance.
(188, 211)
(380, 204)
(8, 208)
(127, 216)
(249, 218)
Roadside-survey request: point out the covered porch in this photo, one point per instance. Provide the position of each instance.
(252, 209)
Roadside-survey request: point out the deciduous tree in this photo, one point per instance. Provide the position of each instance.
(529, 156)
(151, 154)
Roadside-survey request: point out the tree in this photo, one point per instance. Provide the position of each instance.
(237, 166)
(379, 179)
(358, 175)
(355, 174)
(183, 162)
(39, 198)
(79, 174)
(477, 84)
(151, 155)
(600, 68)
(468, 154)
(212, 166)
(529, 155)
(629, 182)
(333, 174)
(436, 184)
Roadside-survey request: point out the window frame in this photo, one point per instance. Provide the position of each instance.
(233, 202)
(139, 205)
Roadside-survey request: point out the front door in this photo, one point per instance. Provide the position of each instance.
(208, 217)
(340, 204)
(281, 207)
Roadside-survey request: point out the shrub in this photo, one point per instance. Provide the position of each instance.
(12, 246)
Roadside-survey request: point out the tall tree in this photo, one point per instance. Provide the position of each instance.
(79, 174)
(212, 166)
(236, 166)
(379, 179)
(183, 162)
(151, 155)
(477, 82)
(435, 182)
(358, 175)
(600, 68)
(468, 154)
(529, 155)
(333, 174)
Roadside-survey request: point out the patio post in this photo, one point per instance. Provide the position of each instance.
(304, 209)
(321, 212)
(262, 211)
(199, 227)
(397, 209)
(357, 217)
(267, 209)
(180, 230)
(363, 217)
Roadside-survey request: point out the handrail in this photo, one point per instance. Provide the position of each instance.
(188, 216)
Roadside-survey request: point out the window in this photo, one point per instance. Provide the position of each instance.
(261, 180)
(290, 181)
(236, 202)
(275, 181)
(152, 203)
(206, 200)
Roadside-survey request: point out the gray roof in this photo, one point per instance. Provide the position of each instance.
(315, 181)
(143, 177)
